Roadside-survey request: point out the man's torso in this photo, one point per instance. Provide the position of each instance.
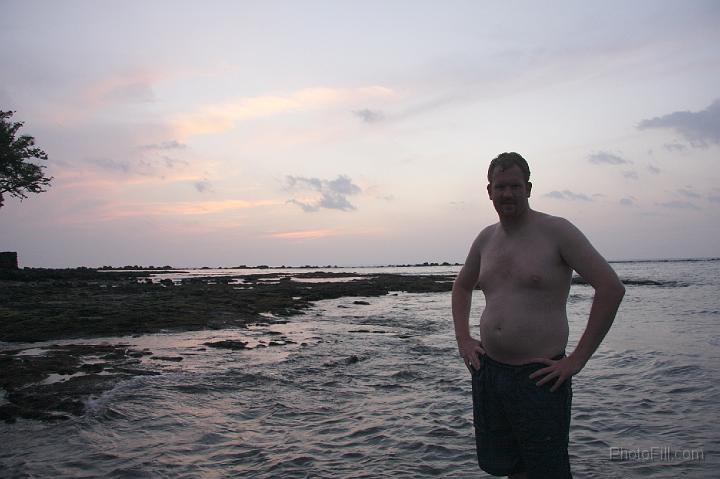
(526, 284)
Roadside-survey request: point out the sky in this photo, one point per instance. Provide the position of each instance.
(222, 133)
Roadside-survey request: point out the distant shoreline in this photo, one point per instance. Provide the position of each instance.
(159, 269)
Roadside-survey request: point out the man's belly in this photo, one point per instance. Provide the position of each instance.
(518, 338)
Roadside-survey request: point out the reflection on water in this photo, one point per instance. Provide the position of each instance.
(378, 391)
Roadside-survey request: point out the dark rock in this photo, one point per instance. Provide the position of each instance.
(41, 304)
(168, 358)
(28, 397)
(363, 303)
(92, 368)
(228, 344)
(139, 354)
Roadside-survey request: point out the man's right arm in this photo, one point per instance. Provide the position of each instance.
(468, 347)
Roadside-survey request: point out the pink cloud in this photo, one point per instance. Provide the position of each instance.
(306, 234)
(221, 117)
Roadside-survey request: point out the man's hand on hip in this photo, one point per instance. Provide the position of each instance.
(470, 350)
(560, 370)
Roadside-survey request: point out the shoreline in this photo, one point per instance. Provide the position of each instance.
(42, 305)
(62, 305)
(86, 304)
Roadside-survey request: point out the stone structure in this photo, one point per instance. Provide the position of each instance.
(8, 260)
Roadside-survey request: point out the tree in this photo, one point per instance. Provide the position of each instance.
(19, 176)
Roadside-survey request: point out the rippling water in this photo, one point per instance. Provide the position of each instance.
(379, 391)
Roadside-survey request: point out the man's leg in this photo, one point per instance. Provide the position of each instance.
(497, 451)
(541, 426)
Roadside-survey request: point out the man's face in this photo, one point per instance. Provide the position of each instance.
(509, 192)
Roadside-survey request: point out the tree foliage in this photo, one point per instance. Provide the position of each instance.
(18, 174)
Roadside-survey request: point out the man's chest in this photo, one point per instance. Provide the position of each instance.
(523, 263)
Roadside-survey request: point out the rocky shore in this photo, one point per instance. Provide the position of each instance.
(53, 382)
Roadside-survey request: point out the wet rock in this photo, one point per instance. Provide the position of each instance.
(228, 344)
(139, 354)
(135, 371)
(174, 359)
(28, 396)
(92, 368)
(40, 305)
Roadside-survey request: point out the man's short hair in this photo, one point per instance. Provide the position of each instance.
(508, 160)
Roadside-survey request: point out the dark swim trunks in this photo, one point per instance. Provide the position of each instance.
(520, 426)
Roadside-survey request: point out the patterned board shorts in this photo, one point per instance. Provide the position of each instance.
(520, 426)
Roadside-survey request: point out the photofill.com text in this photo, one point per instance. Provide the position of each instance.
(659, 453)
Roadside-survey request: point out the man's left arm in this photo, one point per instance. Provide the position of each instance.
(582, 257)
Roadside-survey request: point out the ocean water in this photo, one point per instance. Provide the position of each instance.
(378, 391)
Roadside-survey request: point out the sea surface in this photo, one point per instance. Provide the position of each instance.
(379, 391)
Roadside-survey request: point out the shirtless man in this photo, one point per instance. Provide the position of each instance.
(521, 376)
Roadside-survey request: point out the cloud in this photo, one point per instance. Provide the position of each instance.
(679, 205)
(369, 116)
(184, 208)
(699, 128)
(674, 146)
(110, 164)
(306, 207)
(304, 183)
(627, 201)
(173, 162)
(631, 175)
(333, 201)
(567, 195)
(333, 193)
(607, 158)
(344, 185)
(653, 169)
(688, 193)
(307, 234)
(133, 87)
(203, 185)
(217, 118)
(714, 198)
(136, 166)
(165, 145)
(138, 92)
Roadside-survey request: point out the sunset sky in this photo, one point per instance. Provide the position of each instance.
(220, 133)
